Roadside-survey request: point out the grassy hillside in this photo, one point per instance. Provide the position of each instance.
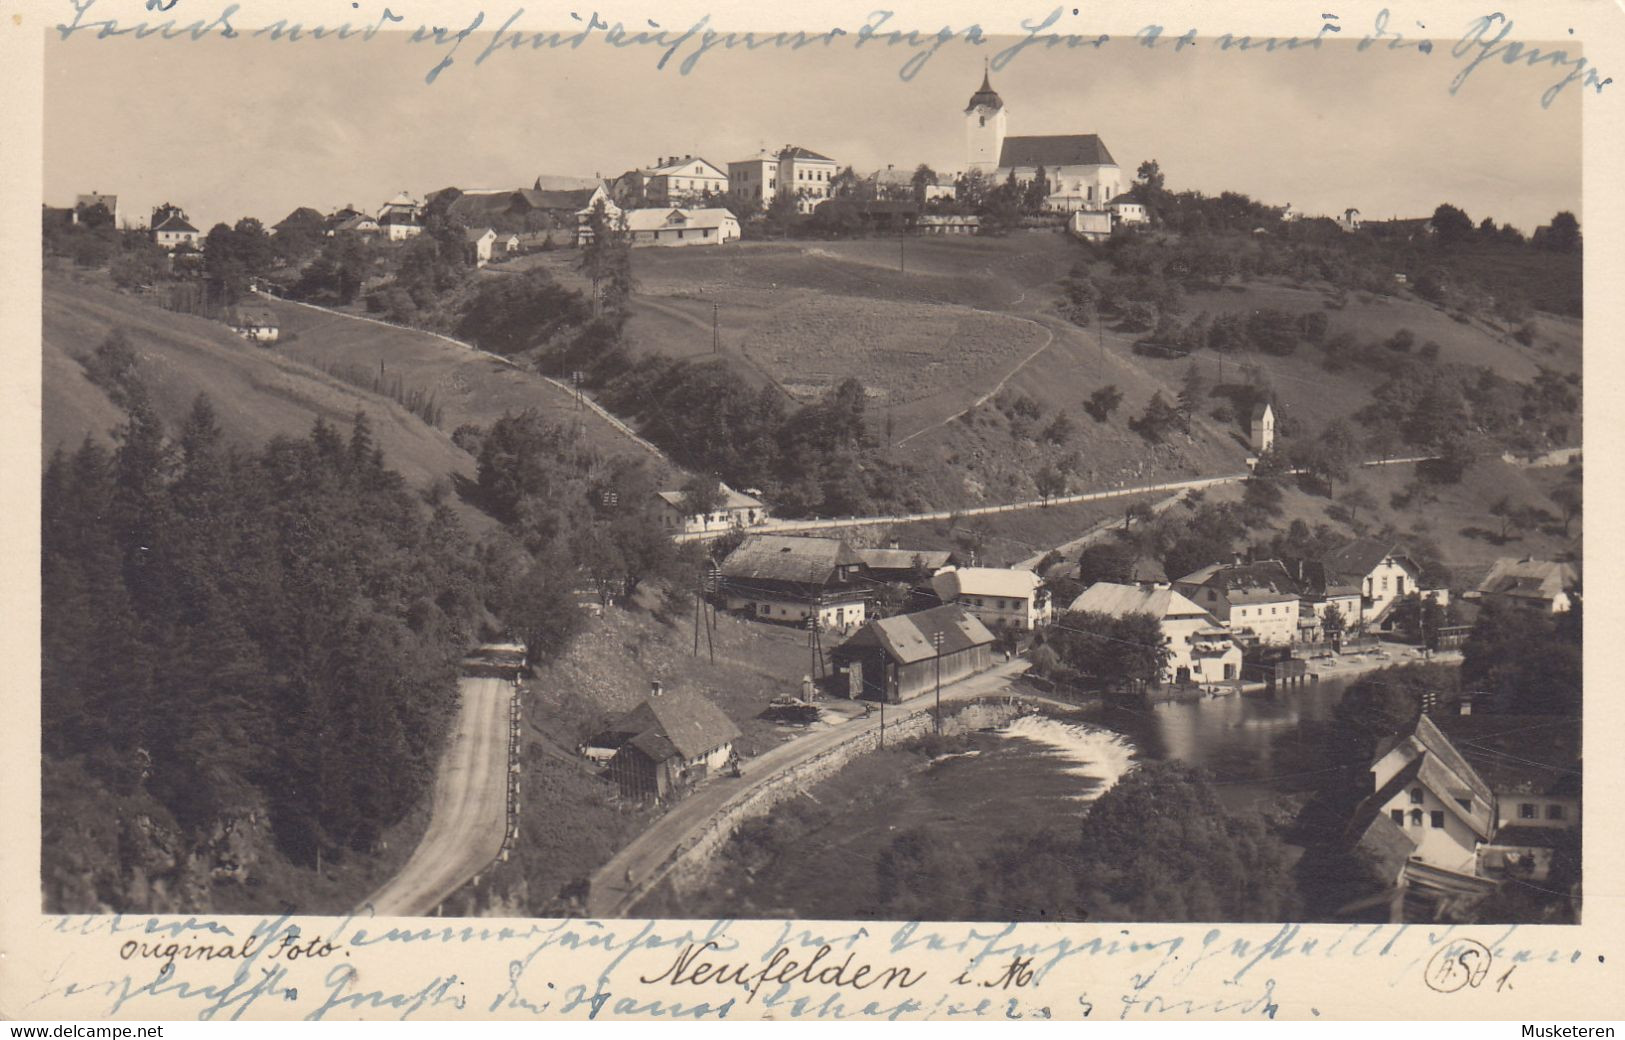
(258, 393)
(466, 387)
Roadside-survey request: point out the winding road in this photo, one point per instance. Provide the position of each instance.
(470, 809)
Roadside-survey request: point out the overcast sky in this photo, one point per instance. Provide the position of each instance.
(227, 128)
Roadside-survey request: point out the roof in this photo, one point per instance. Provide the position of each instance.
(551, 182)
(908, 638)
(1313, 580)
(677, 166)
(731, 499)
(1382, 845)
(671, 217)
(302, 215)
(985, 95)
(903, 559)
(402, 199)
(1105, 597)
(572, 199)
(1259, 410)
(1436, 763)
(355, 223)
(788, 558)
(476, 234)
(1129, 197)
(96, 199)
(482, 205)
(1529, 578)
(1523, 836)
(1147, 570)
(759, 157)
(1052, 150)
(1518, 754)
(175, 222)
(806, 154)
(1264, 581)
(680, 720)
(1358, 558)
(985, 581)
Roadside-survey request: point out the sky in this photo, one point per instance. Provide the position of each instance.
(244, 127)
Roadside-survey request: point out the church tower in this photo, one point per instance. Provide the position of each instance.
(985, 119)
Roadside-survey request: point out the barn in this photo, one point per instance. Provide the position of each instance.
(671, 741)
(897, 657)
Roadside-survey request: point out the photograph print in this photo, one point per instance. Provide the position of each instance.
(1120, 483)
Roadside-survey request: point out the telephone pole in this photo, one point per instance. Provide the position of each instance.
(716, 331)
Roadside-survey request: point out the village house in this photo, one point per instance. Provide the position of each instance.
(788, 579)
(754, 182)
(1324, 598)
(804, 176)
(401, 218)
(1259, 601)
(256, 324)
(1383, 573)
(669, 743)
(683, 179)
(893, 659)
(1544, 586)
(173, 231)
(350, 220)
(736, 511)
(480, 244)
(996, 596)
(1200, 649)
(896, 182)
(1129, 208)
(1475, 796)
(905, 565)
(507, 245)
(681, 227)
(1090, 225)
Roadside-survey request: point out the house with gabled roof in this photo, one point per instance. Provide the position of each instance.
(175, 231)
(893, 659)
(1383, 573)
(804, 175)
(1259, 601)
(682, 179)
(738, 510)
(681, 227)
(480, 243)
(996, 596)
(1545, 586)
(256, 324)
(669, 743)
(789, 579)
(1200, 648)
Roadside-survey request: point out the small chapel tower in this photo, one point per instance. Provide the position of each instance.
(1263, 428)
(985, 122)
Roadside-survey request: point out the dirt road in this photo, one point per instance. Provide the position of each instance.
(470, 806)
(650, 855)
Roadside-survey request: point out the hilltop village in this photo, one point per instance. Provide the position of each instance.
(506, 496)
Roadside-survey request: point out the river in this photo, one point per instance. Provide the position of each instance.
(1038, 771)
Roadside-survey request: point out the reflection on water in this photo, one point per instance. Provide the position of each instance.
(1252, 744)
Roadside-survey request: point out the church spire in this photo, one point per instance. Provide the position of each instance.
(986, 97)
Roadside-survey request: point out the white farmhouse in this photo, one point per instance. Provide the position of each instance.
(996, 596)
(1199, 647)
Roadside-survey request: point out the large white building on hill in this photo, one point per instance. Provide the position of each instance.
(1081, 172)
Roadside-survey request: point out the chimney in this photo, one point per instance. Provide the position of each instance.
(655, 688)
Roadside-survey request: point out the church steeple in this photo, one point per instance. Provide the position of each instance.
(986, 97)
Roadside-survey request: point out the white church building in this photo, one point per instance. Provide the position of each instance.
(1082, 174)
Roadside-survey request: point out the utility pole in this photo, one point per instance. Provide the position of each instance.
(936, 641)
(716, 331)
(902, 252)
(815, 643)
(575, 384)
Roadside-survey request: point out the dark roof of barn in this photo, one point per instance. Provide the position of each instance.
(903, 559)
(1264, 576)
(680, 719)
(1052, 150)
(907, 638)
(779, 557)
(571, 199)
(475, 206)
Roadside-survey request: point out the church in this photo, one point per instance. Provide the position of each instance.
(1082, 174)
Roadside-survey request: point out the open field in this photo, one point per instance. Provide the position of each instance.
(258, 393)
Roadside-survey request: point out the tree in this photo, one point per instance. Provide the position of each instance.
(1451, 226)
(1060, 429)
(1159, 419)
(606, 260)
(1127, 649)
(702, 496)
(1332, 621)
(1051, 482)
(1108, 560)
(1150, 175)
(1528, 663)
(1568, 499)
(1385, 703)
(1103, 402)
(1159, 845)
(1335, 453)
(1563, 234)
(924, 177)
(1502, 509)
(1356, 499)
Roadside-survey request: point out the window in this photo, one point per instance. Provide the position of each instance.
(1437, 819)
(1416, 817)
(1465, 803)
(1526, 811)
(1385, 583)
(1272, 612)
(1398, 816)
(1416, 796)
(1554, 812)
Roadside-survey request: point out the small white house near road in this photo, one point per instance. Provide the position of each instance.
(996, 595)
(1199, 647)
(256, 324)
(681, 227)
(1544, 586)
(737, 510)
